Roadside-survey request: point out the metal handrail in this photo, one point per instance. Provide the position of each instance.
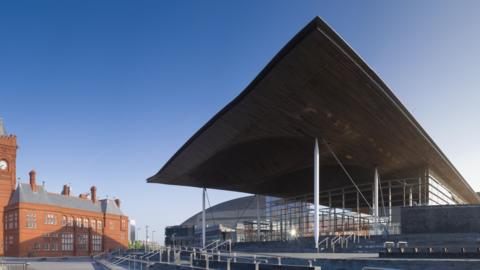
(345, 239)
(121, 259)
(324, 240)
(212, 243)
(334, 241)
(153, 254)
(229, 242)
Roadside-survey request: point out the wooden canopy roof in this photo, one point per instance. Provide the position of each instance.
(315, 87)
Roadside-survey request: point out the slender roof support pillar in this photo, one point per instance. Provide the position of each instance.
(419, 190)
(390, 202)
(343, 210)
(316, 190)
(203, 218)
(258, 217)
(359, 217)
(410, 196)
(375, 198)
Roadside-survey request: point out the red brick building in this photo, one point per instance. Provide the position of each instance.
(40, 223)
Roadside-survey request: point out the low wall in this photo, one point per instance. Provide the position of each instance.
(343, 264)
(441, 219)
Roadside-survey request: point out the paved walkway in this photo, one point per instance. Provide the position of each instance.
(71, 263)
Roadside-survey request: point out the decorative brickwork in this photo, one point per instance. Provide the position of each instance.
(34, 225)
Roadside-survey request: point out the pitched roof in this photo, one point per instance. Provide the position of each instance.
(25, 194)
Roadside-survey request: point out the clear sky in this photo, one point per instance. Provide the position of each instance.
(104, 92)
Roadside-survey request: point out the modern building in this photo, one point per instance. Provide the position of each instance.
(224, 221)
(37, 222)
(132, 231)
(320, 131)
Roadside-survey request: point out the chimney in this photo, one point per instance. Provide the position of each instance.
(117, 202)
(66, 190)
(93, 192)
(33, 180)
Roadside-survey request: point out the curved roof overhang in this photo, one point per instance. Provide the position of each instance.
(315, 87)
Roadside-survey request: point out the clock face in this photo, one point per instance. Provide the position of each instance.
(3, 165)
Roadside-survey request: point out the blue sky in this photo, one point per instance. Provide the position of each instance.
(104, 92)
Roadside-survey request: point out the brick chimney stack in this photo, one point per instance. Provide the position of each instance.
(93, 192)
(66, 190)
(33, 180)
(117, 202)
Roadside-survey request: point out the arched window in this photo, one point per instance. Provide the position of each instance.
(93, 224)
(85, 222)
(64, 221)
(99, 224)
(78, 222)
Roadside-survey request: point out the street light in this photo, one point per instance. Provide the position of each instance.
(137, 233)
(153, 239)
(146, 237)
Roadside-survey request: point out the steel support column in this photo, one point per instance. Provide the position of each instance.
(343, 209)
(410, 196)
(359, 217)
(390, 202)
(375, 198)
(420, 191)
(258, 217)
(316, 190)
(203, 218)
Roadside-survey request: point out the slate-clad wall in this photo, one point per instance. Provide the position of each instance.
(441, 219)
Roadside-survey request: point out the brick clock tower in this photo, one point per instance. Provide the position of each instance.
(8, 157)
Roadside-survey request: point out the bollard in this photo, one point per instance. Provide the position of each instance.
(430, 250)
(235, 257)
(279, 260)
(310, 263)
(445, 250)
(415, 249)
(463, 250)
(254, 258)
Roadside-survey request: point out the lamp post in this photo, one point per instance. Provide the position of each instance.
(137, 234)
(146, 238)
(153, 239)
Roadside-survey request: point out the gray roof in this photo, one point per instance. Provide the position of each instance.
(24, 193)
(3, 132)
(230, 212)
